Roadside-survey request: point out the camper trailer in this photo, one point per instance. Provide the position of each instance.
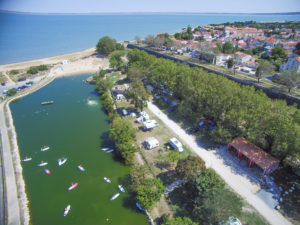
(149, 124)
(176, 144)
(151, 143)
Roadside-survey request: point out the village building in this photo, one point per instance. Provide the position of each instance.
(255, 156)
(241, 58)
(292, 64)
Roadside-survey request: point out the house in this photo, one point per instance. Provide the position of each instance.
(240, 58)
(292, 64)
(176, 144)
(221, 59)
(272, 42)
(254, 155)
(151, 143)
(149, 124)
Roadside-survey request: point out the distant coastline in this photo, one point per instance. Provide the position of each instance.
(150, 13)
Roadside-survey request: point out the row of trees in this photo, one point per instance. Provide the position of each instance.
(237, 110)
(36, 69)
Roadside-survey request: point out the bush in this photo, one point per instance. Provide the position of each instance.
(13, 72)
(11, 92)
(33, 70)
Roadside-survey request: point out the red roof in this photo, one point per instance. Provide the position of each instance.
(298, 58)
(254, 153)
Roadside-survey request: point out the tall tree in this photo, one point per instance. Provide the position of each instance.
(290, 79)
(264, 67)
(190, 167)
(116, 60)
(150, 193)
(278, 52)
(230, 63)
(106, 45)
(139, 95)
(228, 48)
(208, 181)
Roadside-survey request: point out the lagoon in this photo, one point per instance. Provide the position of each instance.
(75, 127)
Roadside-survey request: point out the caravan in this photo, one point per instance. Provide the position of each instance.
(149, 124)
(151, 143)
(176, 144)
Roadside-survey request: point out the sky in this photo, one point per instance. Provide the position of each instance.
(128, 6)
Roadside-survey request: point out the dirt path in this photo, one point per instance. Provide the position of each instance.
(238, 180)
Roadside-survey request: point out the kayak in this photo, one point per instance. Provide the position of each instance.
(45, 148)
(107, 180)
(139, 206)
(42, 164)
(121, 188)
(67, 209)
(114, 196)
(109, 151)
(26, 159)
(105, 149)
(62, 161)
(80, 167)
(72, 186)
(47, 171)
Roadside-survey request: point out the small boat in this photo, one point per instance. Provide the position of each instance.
(107, 180)
(121, 188)
(26, 159)
(42, 163)
(80, 167)
(45, 148)
(47, 102)
(47, 171)
(62, 161)
(114, 196)
(67, 209)
(72, 186)
(105, 149)
(109, 151)
(139, 206)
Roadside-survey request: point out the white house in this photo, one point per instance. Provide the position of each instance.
(292, 64)
(176, 144)
(151, 143)
(221, 59)
(241, 58)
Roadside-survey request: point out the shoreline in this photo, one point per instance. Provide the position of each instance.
(17, 202)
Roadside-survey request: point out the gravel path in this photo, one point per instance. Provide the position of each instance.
(238, 180)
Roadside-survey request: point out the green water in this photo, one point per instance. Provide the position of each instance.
(77, 130)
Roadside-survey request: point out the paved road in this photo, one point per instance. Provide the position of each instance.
(238, 180)
(13, 210)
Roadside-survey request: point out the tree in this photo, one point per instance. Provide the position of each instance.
(139, 95)
(290, 79)
(116, 60)
(190, 168)
(121, 130)
(230, 63)
(106, 45)
(278, 52)
(11, 92)
(180, 221)
(189, 30)
(135, 73)
(173, 156)
(264, 67)
(297, 49)
(217, 206)
(150, 193)
(228, 48)
(103, 84)
(208, 181)
(139, 175)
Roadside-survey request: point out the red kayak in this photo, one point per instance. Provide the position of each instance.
(72, 186)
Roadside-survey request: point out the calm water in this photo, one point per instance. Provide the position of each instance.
(76, 130)
(26, 37)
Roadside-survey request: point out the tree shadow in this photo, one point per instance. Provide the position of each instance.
(95, 93)
(105, 141)
(168, 177)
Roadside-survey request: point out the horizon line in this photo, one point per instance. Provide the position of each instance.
(103, 13)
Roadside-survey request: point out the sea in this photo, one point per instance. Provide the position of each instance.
(32, 36)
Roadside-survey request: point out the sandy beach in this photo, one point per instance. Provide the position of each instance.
(77, 63)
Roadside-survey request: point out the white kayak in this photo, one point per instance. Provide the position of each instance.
(109, 151)
(80, 167)
(107, 180)
(62, 161)
(114, 196)
(43, 163)
(121, 188)
(67, 209)
(45, 148)
(26, 159)
(105, 149)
